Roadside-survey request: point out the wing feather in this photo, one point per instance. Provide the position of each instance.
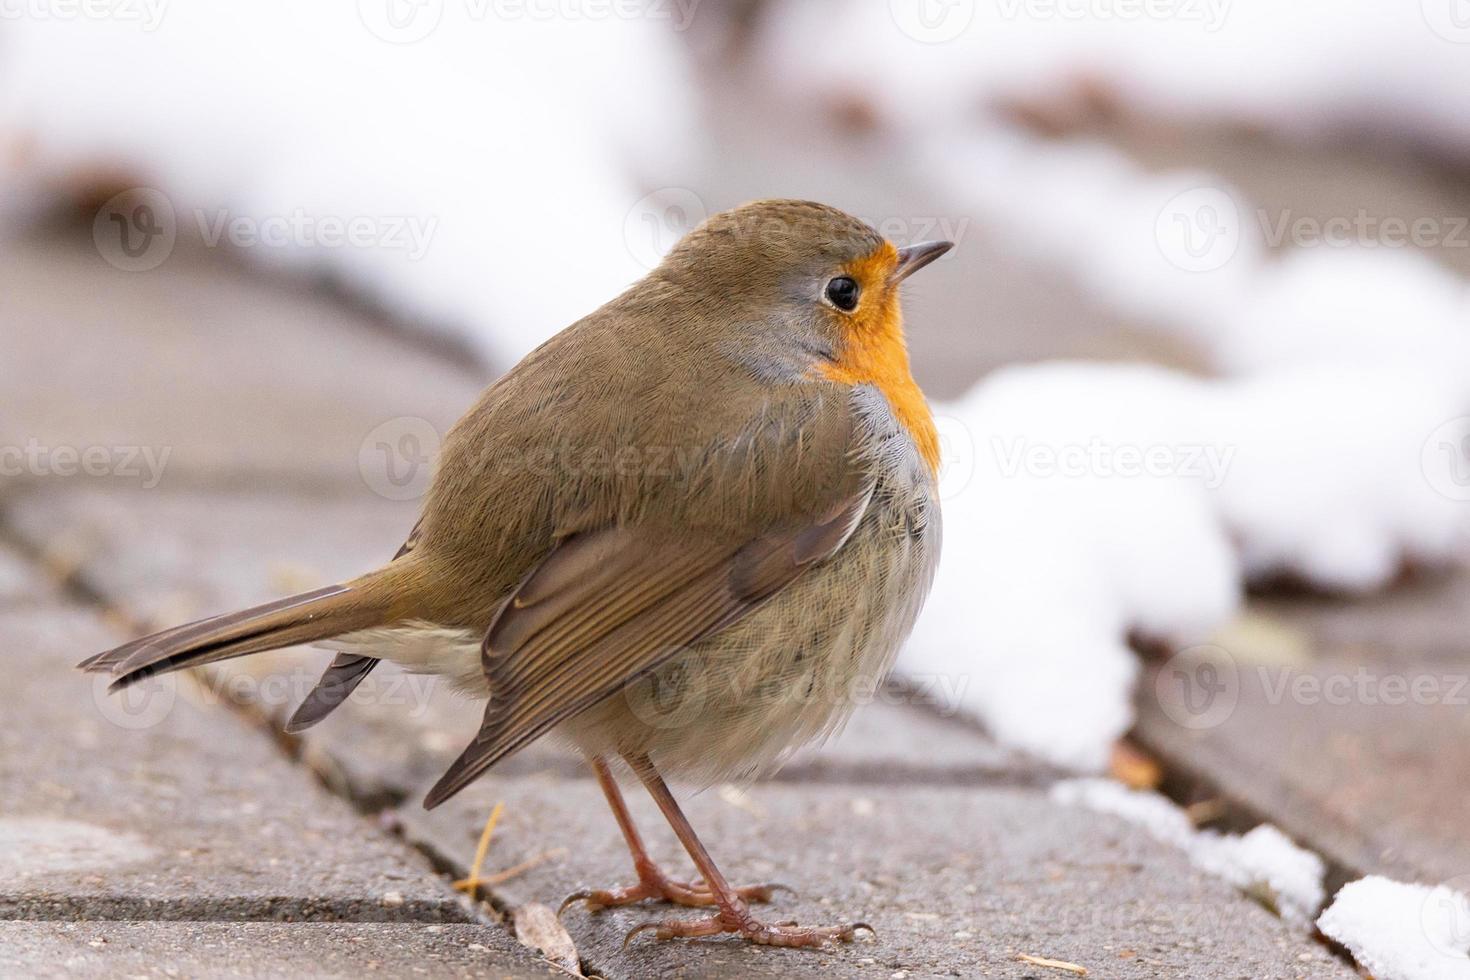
(607, 606)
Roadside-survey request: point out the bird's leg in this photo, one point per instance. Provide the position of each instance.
(733, 914)
(652, 882)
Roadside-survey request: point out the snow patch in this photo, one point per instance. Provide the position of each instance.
(1398, 931)
(1263, 863)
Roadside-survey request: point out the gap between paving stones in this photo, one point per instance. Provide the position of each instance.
(1186, 786)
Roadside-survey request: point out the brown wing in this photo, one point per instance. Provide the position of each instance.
(607, 606)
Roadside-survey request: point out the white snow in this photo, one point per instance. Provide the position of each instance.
(1045, 570)
(1303, 70)
(521, 148)
(1399, 931)
(1327, 450)
(1263, 863)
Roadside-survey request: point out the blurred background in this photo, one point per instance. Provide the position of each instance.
(1201, 358)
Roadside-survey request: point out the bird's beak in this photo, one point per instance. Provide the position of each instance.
(915, 257)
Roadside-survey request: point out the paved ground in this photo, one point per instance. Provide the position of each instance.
(178, 832)
(264, 439)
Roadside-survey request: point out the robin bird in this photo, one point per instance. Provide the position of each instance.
(687, 531)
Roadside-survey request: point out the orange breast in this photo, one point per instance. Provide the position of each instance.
(875, 354)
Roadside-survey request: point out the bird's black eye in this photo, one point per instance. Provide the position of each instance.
(843, 293)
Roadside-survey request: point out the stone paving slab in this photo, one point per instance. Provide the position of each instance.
(161, 810)
(1421, 620)
(956, 881)
(235, 377)
(255, 949)
(1359, 753)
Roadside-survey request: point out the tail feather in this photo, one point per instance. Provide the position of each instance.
(302, 618)
(338, 682)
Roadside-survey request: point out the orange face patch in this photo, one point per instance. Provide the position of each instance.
(875, 353)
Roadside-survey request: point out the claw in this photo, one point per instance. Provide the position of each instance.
(572, 899)
(642, 927)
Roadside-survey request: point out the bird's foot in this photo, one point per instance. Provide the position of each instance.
(654, 884)
(749, 928)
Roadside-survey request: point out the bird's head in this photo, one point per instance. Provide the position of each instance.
(799, 287)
